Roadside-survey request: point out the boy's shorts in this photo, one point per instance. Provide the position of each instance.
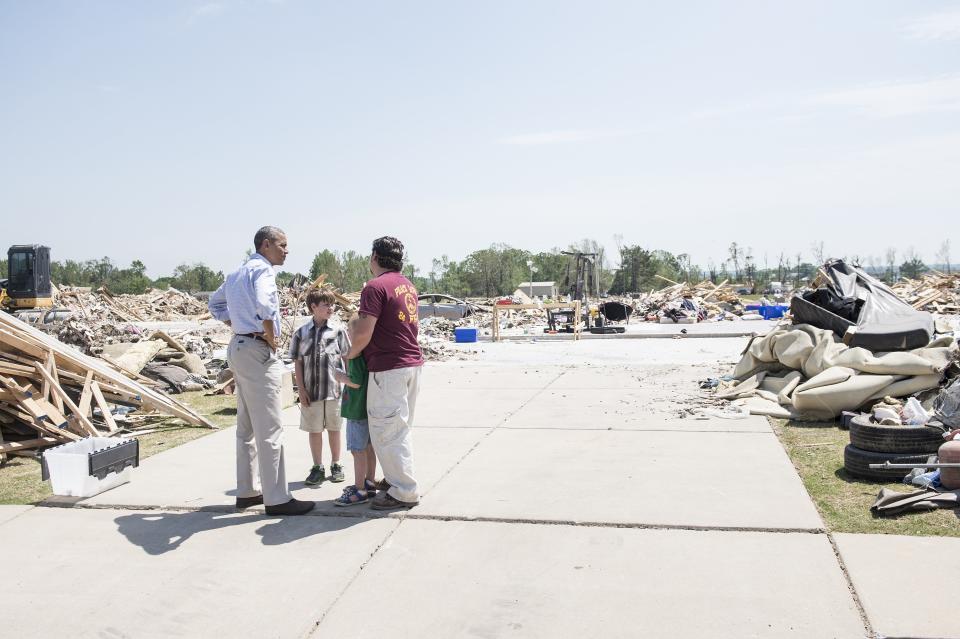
(320, 416)
(358, 435)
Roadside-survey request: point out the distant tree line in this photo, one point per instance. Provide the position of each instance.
(133, 279)
(499, 270)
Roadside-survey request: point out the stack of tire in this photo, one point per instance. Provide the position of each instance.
(874, 443)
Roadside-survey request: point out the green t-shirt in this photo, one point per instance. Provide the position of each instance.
(354, 404)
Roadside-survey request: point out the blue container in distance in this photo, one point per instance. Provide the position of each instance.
(769, 311)
(773, 311)
(464, 334)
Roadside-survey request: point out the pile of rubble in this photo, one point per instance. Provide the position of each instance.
(706, 301)
(51, 393)
(170, 305)
(934, 292)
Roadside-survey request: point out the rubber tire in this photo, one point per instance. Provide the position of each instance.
(857, 463)
(867, 435)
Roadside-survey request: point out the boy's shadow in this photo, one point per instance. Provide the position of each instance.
(161, 532)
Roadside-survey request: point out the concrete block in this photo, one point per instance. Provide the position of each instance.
(202, 473)
(466, 407)
(8, 513)
(473, 579)
(739, 480)
(105, 573)
(905, 584)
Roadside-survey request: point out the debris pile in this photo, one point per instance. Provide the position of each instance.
(706, 301)
(934, 292)
(155, 305)
(50, 393)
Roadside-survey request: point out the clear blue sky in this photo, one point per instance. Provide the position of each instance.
(170, 131)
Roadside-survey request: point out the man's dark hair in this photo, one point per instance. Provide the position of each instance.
(266, 233)
(389, 252)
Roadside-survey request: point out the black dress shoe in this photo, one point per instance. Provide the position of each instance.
(247, 502)
(292, 507)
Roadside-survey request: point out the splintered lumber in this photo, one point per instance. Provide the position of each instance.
(77, 413)
(50, 388)
(716, 289)
(12, 447)
(104, 407)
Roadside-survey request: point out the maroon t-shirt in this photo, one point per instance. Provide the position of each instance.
(392, 299)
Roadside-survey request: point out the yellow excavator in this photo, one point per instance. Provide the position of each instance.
(28, 279)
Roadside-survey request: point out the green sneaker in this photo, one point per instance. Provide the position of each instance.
(336, 472)
(316, 476)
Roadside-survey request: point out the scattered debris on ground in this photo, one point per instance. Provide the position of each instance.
(934, 292)
(867, 354)
(50, 393)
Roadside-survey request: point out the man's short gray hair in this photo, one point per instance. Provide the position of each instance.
(266, 233)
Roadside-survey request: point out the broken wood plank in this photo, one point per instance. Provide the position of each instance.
(104, 407)
(86, 395)
(54, 379)
(84, 423)
(9, 447)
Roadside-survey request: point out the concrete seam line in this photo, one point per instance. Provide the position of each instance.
(490, 432)
(401, 515)
(316, 625)
(601, 524)
(867, 626)
(549, 338)
(639, 430)
(18, 515)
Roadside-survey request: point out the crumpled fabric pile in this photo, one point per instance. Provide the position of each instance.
(804, 372)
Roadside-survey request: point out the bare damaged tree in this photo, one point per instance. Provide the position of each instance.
(817, 249)
(891, 256)
(735, 255)
(781, 267)
(943, 256)
(750, 268)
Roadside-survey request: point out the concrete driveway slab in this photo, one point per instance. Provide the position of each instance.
(453, 375)
(608, 352)
(630, 377)
(737, 480)
(905, 583)
(105, 573)
(468, 408)
(480, 579)
(623, 409)
(10, 512)
(202, 473)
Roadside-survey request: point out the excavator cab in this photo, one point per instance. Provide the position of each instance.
(28, 277)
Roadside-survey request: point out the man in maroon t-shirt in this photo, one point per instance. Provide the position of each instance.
(387, 335)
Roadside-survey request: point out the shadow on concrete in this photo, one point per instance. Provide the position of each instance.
(161, 532)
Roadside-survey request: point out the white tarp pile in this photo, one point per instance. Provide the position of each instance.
(803, 372)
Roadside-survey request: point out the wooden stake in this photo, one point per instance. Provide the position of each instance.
(104, 407)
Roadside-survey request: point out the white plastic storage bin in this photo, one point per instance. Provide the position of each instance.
(89, 466)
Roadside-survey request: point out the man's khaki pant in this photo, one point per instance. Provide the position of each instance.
(258, 372)
(391, 400)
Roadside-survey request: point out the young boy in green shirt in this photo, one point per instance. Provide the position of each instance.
(354, 409)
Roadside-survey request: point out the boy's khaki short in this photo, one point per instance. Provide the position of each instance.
(320, 416)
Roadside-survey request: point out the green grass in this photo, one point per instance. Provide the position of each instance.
(20, 477)
(816, 450)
